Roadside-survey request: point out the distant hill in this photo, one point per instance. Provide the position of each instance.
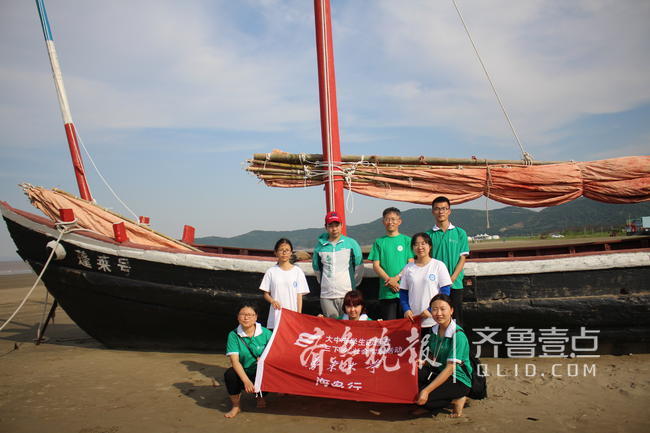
(507, 221)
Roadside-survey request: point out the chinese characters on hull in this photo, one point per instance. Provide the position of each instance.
(104, 263)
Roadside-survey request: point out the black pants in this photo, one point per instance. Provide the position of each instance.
(445, 393)
(390, 309)
(457, 303)
(234, 384)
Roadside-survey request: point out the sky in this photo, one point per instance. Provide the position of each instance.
(170, 98)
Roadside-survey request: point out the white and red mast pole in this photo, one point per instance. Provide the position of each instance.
(70, 132)
(329, 119)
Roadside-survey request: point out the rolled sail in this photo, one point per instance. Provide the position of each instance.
(420, 179)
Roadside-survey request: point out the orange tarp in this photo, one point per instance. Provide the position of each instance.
(96, 218)
(618, 180)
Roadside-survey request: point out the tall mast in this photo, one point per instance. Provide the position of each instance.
(70, 131)
(329, 120)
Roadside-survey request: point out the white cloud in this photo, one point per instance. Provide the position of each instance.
(172, 65)
(551, 63)
(169, 65)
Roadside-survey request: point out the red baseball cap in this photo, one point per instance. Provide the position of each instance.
(332, 217)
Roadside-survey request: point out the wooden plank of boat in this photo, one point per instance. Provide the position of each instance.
(129, 296)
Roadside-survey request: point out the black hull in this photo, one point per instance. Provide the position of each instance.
(150, 304)
(596, 298)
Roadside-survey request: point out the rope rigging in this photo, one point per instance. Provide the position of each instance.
(63, 228)
(99, 173)
(527, 158)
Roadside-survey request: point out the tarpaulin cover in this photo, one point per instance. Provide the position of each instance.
(617, 180)
(96, 218)
(351, 360)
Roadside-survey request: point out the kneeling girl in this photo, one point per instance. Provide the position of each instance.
(245, 345)
(448, 379)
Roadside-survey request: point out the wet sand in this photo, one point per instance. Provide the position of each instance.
(74, 384)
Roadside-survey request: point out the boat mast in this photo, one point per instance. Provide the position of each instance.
(329, 120)
(70, 131)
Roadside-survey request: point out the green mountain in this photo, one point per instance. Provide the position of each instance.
(508, 221)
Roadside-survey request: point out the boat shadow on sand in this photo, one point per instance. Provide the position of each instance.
(215, 396)
(60, 334)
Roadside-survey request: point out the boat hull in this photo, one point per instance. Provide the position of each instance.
(125, 296)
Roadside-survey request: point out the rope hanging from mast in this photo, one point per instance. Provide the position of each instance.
(526, 157)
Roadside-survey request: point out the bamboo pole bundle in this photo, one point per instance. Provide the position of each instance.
(282, 169)
(392, 160)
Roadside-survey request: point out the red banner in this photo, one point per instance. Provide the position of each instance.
(351, 360)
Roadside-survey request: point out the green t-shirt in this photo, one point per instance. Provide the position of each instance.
(257, 344)
(444, 348)
(393, 253)
(448, 247)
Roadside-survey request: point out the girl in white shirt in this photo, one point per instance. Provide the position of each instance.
(421, 280)
(284, 284)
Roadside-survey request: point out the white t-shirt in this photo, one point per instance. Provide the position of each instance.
(362, 317)
(423, 283)
(284, 287)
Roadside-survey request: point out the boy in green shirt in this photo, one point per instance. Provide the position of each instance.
(389, 255)
(450, 247)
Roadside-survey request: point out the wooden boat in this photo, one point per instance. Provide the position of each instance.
(128, 294)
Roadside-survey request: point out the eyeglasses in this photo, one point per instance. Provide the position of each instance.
(247, 314)
(440, 209)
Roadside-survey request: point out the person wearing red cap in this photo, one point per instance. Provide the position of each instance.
(338, 265)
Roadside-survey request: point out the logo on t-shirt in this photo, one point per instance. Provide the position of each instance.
(400, 248)
(432, 277)
(295, 284)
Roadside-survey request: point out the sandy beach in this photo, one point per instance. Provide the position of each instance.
(72, 383)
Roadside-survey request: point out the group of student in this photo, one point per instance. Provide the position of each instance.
(420, 276)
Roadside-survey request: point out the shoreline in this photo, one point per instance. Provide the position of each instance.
(14, 267)
(73, 383)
